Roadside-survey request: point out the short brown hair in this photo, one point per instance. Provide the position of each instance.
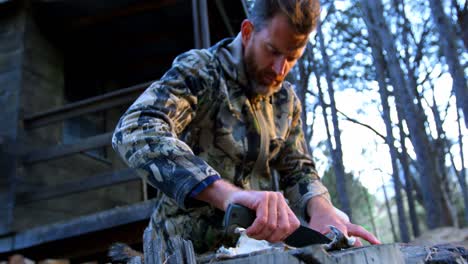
(302, 14)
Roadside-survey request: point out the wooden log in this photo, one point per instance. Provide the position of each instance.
(157, 250)
(443, 253)
(382, 254)
(181, 251)
(151, 247)
(270, 258)
(122, 253)
(178, 250)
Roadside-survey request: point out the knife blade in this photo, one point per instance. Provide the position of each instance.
(239, 215)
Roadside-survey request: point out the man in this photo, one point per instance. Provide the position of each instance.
(212, 129)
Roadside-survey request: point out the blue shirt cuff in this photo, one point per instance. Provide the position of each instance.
(203, 184)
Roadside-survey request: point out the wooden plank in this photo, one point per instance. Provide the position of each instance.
(380, 254)
(224, 17)
(153, 246)
(78, 226)
(443, 253)
(11, 81)
(180, 251)
(60, 151)
(90, 105)
(174, 250)
(383, 254)
(81, 14)
(204, 23)
(196, 25)
(7, 188)
(271, 258)
(87, 184)
(201, 28)
(83, 248)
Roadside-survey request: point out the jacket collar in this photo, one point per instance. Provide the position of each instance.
(230, 53)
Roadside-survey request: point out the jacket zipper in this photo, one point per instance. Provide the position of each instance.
(261, 168)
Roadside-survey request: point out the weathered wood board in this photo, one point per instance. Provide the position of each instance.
(180, 251)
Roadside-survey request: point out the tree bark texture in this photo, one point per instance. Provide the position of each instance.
(462, 175)
(448, 45)
(379, 62)
(429, 179)
(440, 146)
(337, 152)
(389, 212)
(301, 82)
(403, 157)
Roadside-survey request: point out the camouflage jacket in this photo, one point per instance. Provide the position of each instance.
(199, 122)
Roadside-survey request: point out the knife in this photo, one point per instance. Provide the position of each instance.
(239, 215)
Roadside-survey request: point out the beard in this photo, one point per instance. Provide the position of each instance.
(262, 81)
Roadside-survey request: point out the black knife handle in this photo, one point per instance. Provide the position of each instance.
(238, 215)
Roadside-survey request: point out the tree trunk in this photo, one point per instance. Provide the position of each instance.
(411, 65)
(337, 152)
(404, 233)
(302, 83)
(371, 215)
(389, 212)
(440, 146)
(426, 161)
(462, 175)
(462, 15)
(379, 63)
(412, 81)
(448, 45)
(408, 181)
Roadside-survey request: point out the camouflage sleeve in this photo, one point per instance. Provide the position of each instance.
(298, 179)
(146, 137)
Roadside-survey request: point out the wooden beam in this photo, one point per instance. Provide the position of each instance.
(244, 7)
(78, 226)
(12, 80)
(224, 17)
(204, 23)
(87, 184)
(201, 28)
(90, 105)
(60, 151)
(79, 14)
(131, 10)
(196, 25)
(7, 186)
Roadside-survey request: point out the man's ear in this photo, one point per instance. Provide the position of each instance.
(247, 29)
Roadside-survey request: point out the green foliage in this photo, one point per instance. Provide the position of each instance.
(361, 200)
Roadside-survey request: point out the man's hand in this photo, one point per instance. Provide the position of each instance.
(275, 220)
(322, 213)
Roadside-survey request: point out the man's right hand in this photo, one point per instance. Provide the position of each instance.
(275, 220)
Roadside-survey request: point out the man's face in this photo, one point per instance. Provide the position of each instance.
(270, 53)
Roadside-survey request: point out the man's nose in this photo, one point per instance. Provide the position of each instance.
(279, 65)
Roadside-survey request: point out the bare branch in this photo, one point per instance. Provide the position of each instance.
(420, 44)
(362, 124)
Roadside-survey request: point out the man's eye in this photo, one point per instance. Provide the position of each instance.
(275, 52)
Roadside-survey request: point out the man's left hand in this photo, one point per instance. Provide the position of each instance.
(322, 214)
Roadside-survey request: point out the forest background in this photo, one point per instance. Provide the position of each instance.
(384, 87)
